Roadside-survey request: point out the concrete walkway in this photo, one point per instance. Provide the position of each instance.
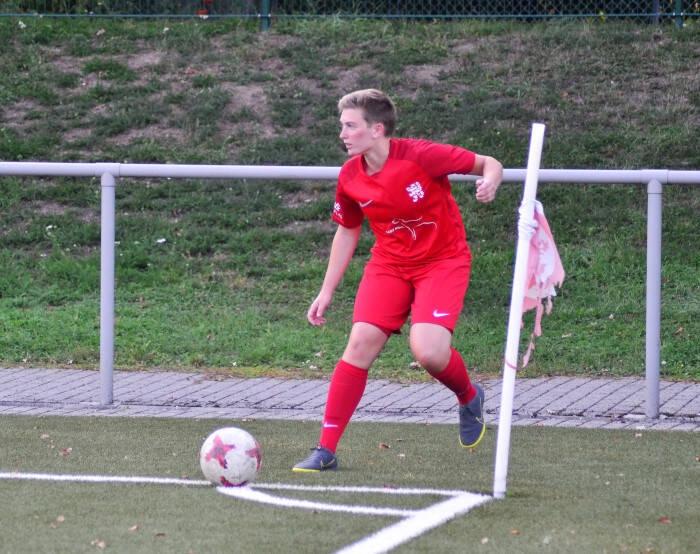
(555, 401)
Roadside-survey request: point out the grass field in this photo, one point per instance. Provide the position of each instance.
(569, 490)
(217, 276)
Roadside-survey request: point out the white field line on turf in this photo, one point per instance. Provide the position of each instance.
(128, 479)
(249, 493)
(411, 527)
(146, 480)
(360, 490)
(413, 524)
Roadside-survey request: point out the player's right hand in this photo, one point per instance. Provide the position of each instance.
(317, 309)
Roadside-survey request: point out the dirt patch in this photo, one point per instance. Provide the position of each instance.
(47, 208)
(145, 60)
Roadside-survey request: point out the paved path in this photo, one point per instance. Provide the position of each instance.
(553, 401)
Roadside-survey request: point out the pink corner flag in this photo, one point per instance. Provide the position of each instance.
(544, 272)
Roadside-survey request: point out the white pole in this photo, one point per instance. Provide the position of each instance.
(653, 301)
(108, 189)
(510, 362)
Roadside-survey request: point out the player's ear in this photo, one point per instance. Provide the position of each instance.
(377, 130)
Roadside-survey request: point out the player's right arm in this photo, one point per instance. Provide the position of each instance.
(342, 249)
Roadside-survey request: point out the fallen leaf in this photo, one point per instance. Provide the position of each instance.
(97, 543)
(160, 534)
(384, 446)
(60, 519)
(514, 532)
(665, 520)
(65, 452)
(45, 437)
(679, 331)
(134, 528)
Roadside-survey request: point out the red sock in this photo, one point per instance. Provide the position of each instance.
(456, 378)
(344, 394)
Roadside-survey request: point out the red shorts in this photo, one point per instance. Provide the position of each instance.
(430, 293)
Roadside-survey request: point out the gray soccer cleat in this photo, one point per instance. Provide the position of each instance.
(321, 459)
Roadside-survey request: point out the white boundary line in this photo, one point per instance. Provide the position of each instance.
(411, 527)
(249, 493)
(127, 479)
(149, 480)
(359, 490)
(413, 523)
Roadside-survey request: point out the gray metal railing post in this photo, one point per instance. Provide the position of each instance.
(108, 200)
(653, 300)
(265, 14)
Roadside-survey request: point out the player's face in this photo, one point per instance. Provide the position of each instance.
(357, 135)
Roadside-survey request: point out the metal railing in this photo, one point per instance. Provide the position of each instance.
(109, 174)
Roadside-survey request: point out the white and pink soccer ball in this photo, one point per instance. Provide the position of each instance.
(230, 457)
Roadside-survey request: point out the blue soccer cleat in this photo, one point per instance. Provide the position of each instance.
(471, 420)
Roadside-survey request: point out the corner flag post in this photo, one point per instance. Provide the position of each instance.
(510, 362)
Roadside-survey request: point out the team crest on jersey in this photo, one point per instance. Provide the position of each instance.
(415, 191)
(337, 210)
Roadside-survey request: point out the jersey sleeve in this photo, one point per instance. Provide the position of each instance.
(440, 160)
(346, 211)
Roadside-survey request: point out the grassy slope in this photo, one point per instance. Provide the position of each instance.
(228, 288)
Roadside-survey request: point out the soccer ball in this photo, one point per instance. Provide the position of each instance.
(230, 457)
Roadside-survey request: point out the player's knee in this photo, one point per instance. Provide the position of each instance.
(364, 345)
(431, 358)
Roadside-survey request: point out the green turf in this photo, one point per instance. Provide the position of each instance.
(568, 490)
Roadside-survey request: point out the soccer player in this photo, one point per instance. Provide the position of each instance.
(419, 265)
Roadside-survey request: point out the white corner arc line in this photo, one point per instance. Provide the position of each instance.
(422, 521)
(249, 493)
(360, 489)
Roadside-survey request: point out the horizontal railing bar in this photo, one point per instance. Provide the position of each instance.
(196, 171)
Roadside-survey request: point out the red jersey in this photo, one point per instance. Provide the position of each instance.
(409, 203)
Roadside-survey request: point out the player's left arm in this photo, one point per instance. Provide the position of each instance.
(491, 171)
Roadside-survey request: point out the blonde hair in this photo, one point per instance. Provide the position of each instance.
(377, 107)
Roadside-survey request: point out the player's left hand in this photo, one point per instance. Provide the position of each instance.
(485, 190)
